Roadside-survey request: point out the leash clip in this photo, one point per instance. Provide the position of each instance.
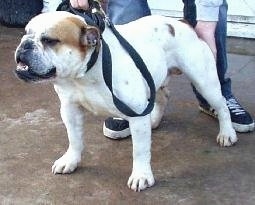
(95, 7)
(107, 20)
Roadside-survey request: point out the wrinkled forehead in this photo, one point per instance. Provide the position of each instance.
(58, 24)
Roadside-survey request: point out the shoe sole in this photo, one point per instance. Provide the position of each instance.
(243, 128)
(115, 135)
(237, 127)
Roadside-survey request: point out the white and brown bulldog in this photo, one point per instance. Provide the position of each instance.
(57, 47)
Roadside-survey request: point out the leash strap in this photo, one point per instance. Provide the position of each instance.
(98, 20)
(107, 73)
(93, 18)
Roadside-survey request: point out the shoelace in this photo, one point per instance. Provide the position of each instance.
(234, 107)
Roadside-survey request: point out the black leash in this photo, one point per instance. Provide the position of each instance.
(107, 73)
(98, 19)
(94, 16)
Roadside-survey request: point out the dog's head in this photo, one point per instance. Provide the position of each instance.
(56, 45)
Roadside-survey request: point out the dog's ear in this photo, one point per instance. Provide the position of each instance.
(90, 36)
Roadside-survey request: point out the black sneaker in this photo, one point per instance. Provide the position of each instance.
(116, 128)
(241, 119)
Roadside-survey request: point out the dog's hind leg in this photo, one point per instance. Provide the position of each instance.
(227, 135)
(162, 97)
(207, 84)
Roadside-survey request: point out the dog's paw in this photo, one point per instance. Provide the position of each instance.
(66, 164)
(140, 181)
(226, 140)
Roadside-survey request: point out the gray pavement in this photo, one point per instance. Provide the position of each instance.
(189, 167)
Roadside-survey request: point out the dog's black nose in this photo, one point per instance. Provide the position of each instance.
(24, 47)
(28, 44)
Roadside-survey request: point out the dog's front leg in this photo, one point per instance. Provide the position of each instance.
(141, 176)
(73, 118)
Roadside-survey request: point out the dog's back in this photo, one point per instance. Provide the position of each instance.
(162, 42)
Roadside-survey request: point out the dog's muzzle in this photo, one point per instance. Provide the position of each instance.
(27, 74)
(31, 65)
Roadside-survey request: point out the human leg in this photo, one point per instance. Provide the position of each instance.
(189, 12)
(241, 119)
(124, 11)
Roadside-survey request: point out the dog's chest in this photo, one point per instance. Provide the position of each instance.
(95, 98)
(95, 101)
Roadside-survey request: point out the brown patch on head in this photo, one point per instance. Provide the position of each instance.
(68, 32)
(73, 32)
(171, 29)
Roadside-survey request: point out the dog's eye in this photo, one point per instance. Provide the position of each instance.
(49, 41)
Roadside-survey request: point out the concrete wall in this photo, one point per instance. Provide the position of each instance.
(241, 15)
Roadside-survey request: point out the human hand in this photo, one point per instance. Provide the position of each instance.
(80, 4)
(206, 30)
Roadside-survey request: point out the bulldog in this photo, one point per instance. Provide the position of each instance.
(57, 47)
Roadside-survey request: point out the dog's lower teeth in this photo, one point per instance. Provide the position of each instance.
(22, 67)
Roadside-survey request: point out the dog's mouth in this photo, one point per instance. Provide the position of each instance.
(26, 73)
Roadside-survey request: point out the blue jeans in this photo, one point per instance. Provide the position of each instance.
(123, 11)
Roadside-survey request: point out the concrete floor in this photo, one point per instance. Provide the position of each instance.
(189, 167)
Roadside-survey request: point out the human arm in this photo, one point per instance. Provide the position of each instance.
(80, 4)
(84, 4)
(207, 17)
(206, 30)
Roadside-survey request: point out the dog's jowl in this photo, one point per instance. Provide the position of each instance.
(57, 47)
